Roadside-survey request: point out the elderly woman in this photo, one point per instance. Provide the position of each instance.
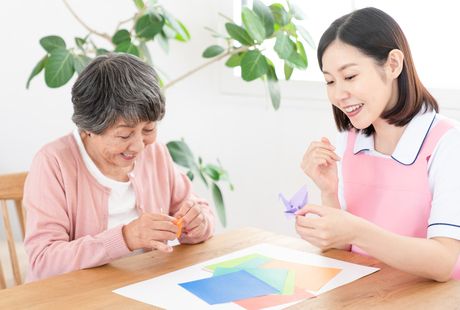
(109, 188)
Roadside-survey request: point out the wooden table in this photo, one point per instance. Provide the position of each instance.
(92, 288)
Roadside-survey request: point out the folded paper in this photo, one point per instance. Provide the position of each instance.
(297, 202)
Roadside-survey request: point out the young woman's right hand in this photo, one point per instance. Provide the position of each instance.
(150, 230)
(320, 164)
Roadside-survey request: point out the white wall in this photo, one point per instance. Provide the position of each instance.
(260, 148)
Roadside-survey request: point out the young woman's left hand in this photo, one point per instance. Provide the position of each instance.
(331, 228)
(194, 221)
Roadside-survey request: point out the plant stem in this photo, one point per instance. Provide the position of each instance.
(100, 34)
(226, 17)
(204, 65)
(126, 21)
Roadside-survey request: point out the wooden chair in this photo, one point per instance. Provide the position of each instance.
(11, 189)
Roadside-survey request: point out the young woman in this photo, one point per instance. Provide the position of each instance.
(109, 188)
(391, 186)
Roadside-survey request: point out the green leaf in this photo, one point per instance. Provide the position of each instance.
(234, 60)
(273, 87)
(168, 32)
(213, 171)
(296, 61)
(253, 24)
(163, 41)
(265, 15)
(59, 68)
(253, 65)
(291, 29)
(149, 25)
(152, 4)
(213, 174)
(101, 51)
(239, 34)
(50, 43)
(288, 71)
(306, 36)
(186, 32)
(139, 4)
(80, 42)
(219, 202)
(181, 154)
(121, 36)
(213, 51)
(177, 27)
(37, 69)
(203, 178)
(216, 34)
(301, 51)
(296, 11)
(284, 46)
(127, 47)
(145, 53)
(80, 62)
(190, 175)
(279, 14)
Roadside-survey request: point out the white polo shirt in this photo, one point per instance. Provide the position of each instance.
(443, 169)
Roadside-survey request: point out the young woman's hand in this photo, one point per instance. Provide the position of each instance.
(320, 164)
(150, 230)
(330, 228)
(194, 221)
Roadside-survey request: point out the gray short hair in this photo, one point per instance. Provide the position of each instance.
(115, 86)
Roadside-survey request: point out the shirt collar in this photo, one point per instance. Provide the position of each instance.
(409, 144)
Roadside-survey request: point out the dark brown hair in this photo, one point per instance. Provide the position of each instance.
(375, 34)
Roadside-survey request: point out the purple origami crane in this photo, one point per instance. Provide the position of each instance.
(297, 202)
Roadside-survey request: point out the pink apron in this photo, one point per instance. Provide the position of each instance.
(390, 194)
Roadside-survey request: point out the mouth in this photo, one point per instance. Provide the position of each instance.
(127, 156)
(353, 110)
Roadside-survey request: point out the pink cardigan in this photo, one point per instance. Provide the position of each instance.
(67, 209)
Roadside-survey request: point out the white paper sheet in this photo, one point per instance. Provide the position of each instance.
(164, 291)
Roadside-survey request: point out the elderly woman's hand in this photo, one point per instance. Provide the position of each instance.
(194, 221)
(150, 230)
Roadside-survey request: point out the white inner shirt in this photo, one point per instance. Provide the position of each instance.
(122, 198)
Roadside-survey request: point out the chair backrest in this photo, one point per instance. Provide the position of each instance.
(12, 189)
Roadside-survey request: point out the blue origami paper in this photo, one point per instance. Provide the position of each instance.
(297, 202)
(229, 287)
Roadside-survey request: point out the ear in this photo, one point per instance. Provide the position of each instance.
(395, 62)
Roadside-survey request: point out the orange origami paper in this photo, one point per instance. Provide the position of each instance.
(307, 277)
(178, 223)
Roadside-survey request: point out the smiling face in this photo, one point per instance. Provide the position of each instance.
(115, 150)
(358, 85)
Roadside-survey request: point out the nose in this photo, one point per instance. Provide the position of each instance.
(137, 144)
(340, 92)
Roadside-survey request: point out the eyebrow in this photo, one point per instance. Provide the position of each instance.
(124, 126)
(345, 66)
(130, 126)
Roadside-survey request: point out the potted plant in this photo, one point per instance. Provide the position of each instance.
(263, 27)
